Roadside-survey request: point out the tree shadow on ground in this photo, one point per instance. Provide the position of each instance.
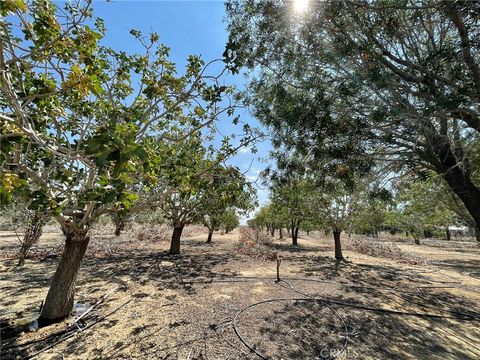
(289, 248)
(141, 267)
(162, 270)
(465, 267)
(371, 335)
(309, 329)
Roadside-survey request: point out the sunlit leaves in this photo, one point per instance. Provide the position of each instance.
(12, 5)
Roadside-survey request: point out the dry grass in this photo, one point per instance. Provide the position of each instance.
(381, 249)
(256, 244)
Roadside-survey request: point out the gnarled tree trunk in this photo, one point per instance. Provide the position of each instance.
(461, 184)
(448, 233)
(280, 232)
(175, 244)
(338, 244)
(32, 234)
(59, 302)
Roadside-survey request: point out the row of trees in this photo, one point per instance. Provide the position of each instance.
(417, 209)
(87, 131)
(301, 203)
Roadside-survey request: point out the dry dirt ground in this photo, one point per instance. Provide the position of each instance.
(190, 306)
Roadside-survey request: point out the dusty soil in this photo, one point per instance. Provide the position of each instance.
(189, 306)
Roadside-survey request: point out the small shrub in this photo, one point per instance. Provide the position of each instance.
(255, 244)
(194, 230)
(151, 233)
(253, 236)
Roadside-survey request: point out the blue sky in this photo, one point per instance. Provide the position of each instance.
(187, 27)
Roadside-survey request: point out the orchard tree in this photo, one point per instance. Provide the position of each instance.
(79, 121)
(229, 220)
(292, 196)
(35, 223)
(312, 224)
(336, 203)
(360, 81)
(371, 218)
(196, 185)
(255, 223)
(120, 220)
(263, 219)
(184, 177)
(420, 212)
(29, 222)
(227, 189)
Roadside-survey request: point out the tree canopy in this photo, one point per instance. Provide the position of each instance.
(363, 83)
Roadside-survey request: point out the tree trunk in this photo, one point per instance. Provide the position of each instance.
(416, 239)
(119, 227)
(338, 245)
(175, 244)
(210, 234)
(32, 234)
(448, 234)
(427, 233)
(477, 233)
(272, 230)
(120, 221)
(466, 191)
(295, 236)
(59, 302)
(280, 232)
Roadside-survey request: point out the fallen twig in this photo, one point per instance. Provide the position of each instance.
(71, 334)
(102, 299)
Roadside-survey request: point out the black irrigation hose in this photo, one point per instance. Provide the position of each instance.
(469, 313)
(240, 279)
(308, 298)
(321, 301)
(465, 317)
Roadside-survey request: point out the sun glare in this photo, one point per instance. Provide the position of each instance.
(300, 6)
